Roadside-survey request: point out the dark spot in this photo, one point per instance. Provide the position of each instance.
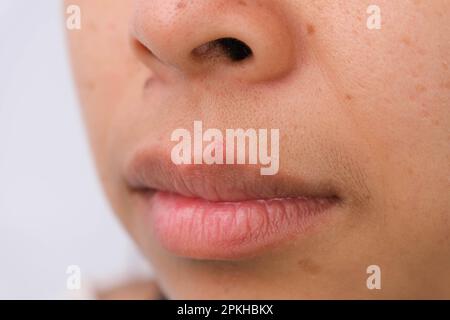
(308, 266)
(348, 97)
(310, 29)
(406, 40)
(446, 85)
(90, 85)
(181, 5)
(242, 3)
(420, 88)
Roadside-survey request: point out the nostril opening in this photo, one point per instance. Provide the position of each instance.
(235, 49)
(232, 48)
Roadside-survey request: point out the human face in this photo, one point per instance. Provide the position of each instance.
(363, 116)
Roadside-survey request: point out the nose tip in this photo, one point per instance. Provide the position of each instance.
(246, 40)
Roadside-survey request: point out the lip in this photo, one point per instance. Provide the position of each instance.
(222, 212)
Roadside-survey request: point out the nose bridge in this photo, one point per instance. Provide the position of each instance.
(187, 34)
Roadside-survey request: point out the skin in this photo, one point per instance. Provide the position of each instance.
(366, 109)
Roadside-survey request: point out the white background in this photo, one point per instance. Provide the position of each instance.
(52, 211)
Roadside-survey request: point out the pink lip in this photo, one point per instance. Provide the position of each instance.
(219, 213)
(202, 229)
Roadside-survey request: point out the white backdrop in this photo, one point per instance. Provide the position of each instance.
(52, 211)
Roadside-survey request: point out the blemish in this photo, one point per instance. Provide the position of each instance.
(310, 29)
(446, 85)
(309, 266)
(348, 97)
(181, 4)
(242, 3)
(420, 88)
(406, 40)
(90, 85)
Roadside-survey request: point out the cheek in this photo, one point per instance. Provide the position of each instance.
(109, 80)
(403, 64)
(395, 79)
(394, 85)
(105, 69)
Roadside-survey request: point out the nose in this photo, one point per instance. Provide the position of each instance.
(243, 39)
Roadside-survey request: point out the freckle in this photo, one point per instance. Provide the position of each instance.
(420, 88)
(90, 85)
(309, 266)
(310, 29)
(181, 5)
(406, 40)
(446, 85)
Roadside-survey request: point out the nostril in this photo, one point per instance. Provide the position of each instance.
(235, 49)
(232, 48)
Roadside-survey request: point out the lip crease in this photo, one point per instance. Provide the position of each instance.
(222, 212)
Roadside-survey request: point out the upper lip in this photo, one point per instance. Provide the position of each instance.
(152, 170)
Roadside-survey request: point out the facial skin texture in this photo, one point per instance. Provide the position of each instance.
(367, 110)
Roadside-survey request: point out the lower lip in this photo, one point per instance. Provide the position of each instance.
(201, 229)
